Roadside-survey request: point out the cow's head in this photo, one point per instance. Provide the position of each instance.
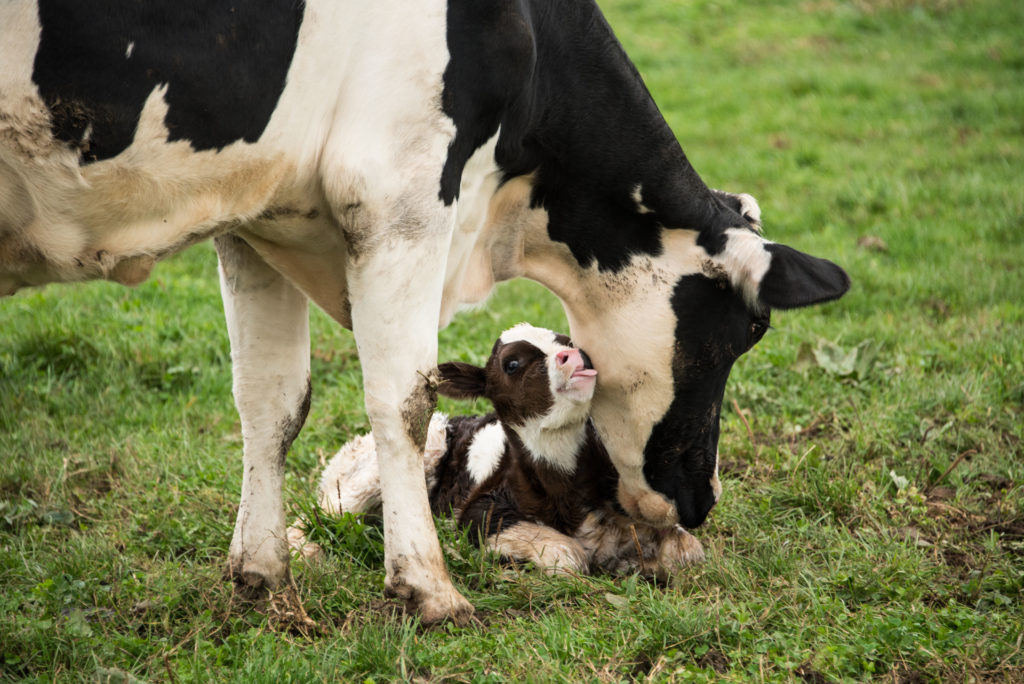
(664, 334)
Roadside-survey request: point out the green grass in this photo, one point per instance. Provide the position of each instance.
(873, 520)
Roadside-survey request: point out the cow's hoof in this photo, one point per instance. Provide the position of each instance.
(438, 609)
(647, 506)
(679, 549)
(433, 607)
(254, 577)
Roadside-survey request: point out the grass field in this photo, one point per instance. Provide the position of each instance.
(872, 524)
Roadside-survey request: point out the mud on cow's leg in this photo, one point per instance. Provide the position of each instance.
(268, 325)
(396, 300)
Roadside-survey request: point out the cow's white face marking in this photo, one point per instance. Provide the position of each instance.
(129, 50)
(716, 484)
(745, 261)
(638, 199)
(485, 452)
(750, 209)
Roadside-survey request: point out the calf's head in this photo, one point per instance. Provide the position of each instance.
(541, 387)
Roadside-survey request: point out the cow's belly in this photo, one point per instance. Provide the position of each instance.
(356, 132)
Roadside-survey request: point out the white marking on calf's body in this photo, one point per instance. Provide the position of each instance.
(351, 481)
(485, 452)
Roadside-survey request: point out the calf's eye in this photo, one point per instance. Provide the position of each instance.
(511, 366)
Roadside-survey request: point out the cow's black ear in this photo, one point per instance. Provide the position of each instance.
(795, 279)
(461, 380)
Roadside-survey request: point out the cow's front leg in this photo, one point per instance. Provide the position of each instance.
(268, 324)
(395, 289)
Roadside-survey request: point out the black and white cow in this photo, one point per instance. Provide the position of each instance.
(531, 480)
(390, 161)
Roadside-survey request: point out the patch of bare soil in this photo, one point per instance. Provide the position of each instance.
(715, 660)
(807, 673)
(285, 613)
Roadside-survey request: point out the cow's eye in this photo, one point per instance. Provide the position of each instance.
(511, 366)
(757, 330)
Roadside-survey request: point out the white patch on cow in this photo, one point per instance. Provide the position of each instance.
(745, 261)
(716, 484)
(470, 279)
(638, 199)
(750, 209)
(485, 452)
(129, 50)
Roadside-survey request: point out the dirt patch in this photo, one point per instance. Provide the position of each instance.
(714, 660)
(807, 673)
(641, 667)
(911, 677)
(419, 407)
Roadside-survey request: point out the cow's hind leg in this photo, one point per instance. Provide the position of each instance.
(268, 324)
(395, 288)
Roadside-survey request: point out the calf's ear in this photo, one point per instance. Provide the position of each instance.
(461, 380)
(795, 279)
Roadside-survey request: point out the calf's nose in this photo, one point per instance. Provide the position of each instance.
(570, 357)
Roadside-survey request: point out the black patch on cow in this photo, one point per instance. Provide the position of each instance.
(491, 60)
(574, 111)
(795, 279)
(224, 64)
(713, 328)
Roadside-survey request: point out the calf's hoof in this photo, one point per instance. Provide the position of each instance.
(647, 506)
(298, 543)
(677, 550)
